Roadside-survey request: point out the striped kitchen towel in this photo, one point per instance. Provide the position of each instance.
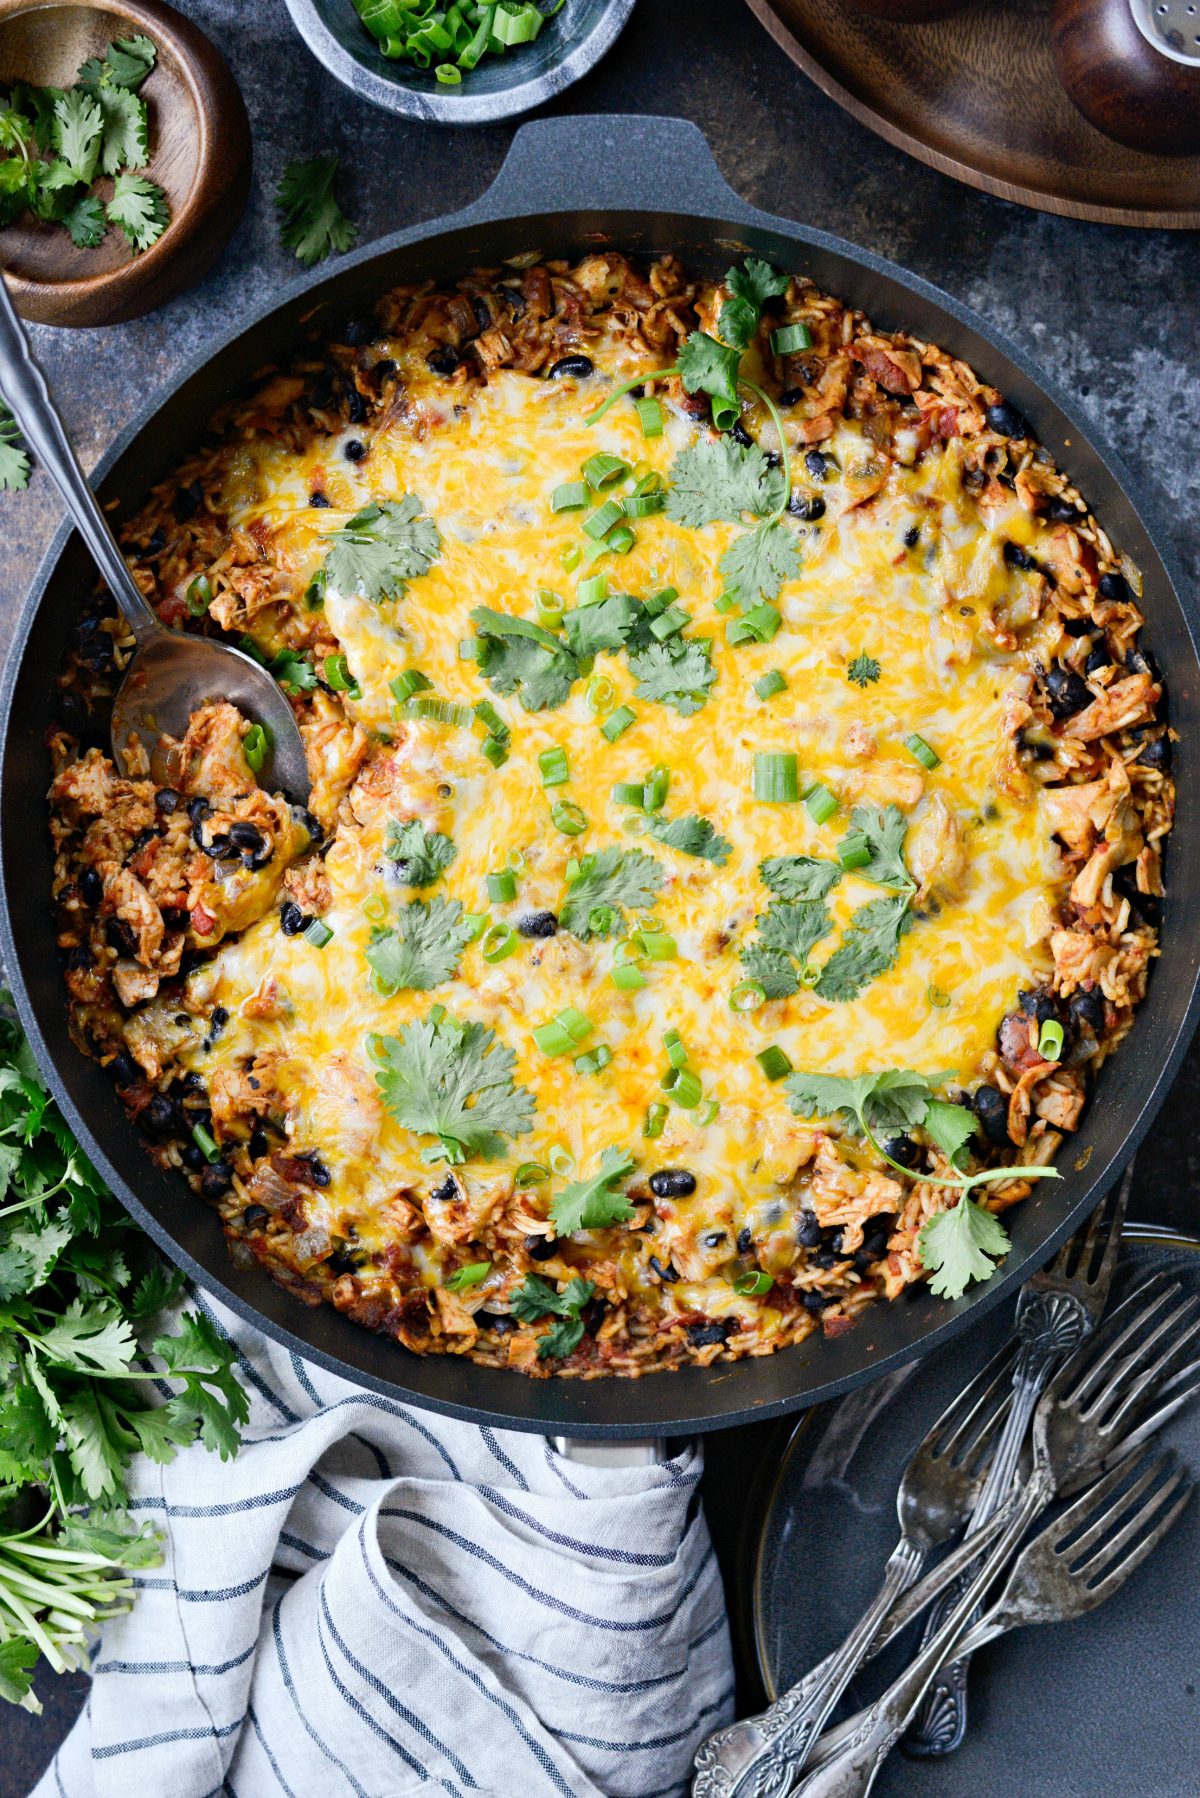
(374, 1600)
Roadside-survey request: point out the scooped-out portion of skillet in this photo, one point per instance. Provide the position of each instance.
(739, 793)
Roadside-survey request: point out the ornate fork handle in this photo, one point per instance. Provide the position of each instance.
(1051, 1325)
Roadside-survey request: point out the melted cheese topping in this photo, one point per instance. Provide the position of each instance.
(485, 477)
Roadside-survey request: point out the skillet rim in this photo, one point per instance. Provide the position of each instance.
(647, 158)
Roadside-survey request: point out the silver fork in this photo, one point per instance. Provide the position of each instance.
(1074, 1564)
(755, 1758)
(1057, 1309)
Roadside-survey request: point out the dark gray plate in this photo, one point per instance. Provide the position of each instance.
(567, 46)
(1102, 1707)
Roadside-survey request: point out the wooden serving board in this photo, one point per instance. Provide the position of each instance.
(976, 96)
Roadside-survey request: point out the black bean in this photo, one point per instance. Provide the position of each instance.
(193, 1157)
(258, 1144)
(865, 1257)
(809, 506)
(740, 434)
(991, 1108)
(538, 923)
(1115, 587)
(672, 1183)
(579, 366)
(1067, 691)
(791, 395)
(701, 1335)
(443, 360)
(176, 917)
(1039, 1005)
(499, 1322)
(974, 480)
(1004, 418)
(1017, 556)
(247, 837)
(1088, 1011)
(815, 1301)
(167, 800)
(808, 1230)
(1059, 510)
(216, 1180)
(358, 331)
(833, 1237)
(1140, 661)
(156, 542)
(218, 1021)
(79, 959)
(593, 1315)
(824, 1259)
(320, 1173)
(1079, 627)
(123, 1068)
(904, 1150)
(318, 502)
(1156, 754)
(342, 1261)
(483, 312)
(540, 1248)
(912, 536)
(188, 501)
(381, 372)
(71, 712)
(356, 408)
(816, 464)
(198, 809)
(311, 823)
(1099, 657)
(91, 887)
(1145, 905)
(291, 919)
(253, 1216)
(668, 1274)
(745, 1241)
(712, 1239)
(217, 846)
(160, 1117)
(119, 936)
(354, 450)
(443, 1194)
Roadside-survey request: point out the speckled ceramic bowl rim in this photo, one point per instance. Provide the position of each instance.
(1137, 1235)
(456, 106)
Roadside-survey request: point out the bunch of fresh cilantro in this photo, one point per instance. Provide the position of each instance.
(55, 143)
(82, 1372)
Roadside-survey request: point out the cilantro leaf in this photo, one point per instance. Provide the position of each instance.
(775, 972)
(869, 947)
(454, 1081)
(692, 836)
(788, 932)
(78, 123)
(85, 222)
(293, 670)
(421, 951)
(894, 1100)
(676, 673)
(124, 65)
(124, 141)
(591, 629)
(15, 178)
(863, 671)
(520, 657)
(756, 564)
(18, 1655)
(880, 830)
(957, 1247)
(421, 856)
(313, 222)
(534, 1299)
(950, 1126)
(751, 286)
(800, 876)
(718, 478)
(382, 548)
(596, 1202)
(14, 463)
(561, 1339)
(706, 366)
(36, 104)
(212, 1403)
(608, 881)
(139, 207)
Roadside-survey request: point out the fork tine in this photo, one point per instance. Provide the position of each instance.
(1101, 1506)
(1142, 1375)
(1124, 1416)
(1093, 1369)
(1182, 1387)
(1118, 1574)
(1116, 1224)
(975, 1460)
(1109, 1553)
(1095, 1493)
(962, 1413)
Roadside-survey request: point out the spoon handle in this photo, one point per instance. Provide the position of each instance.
(28, 398)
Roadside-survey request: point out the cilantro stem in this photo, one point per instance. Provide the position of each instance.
(963, 1181)
(773, 409)
(618, 393)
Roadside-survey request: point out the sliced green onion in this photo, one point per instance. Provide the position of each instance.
(469, 649)
(601, 470)
(655, 1119)
(767, 685)
(647, 480)
(515, 861)
(820, 803)
(677, 1053)
(658, 945)
(601, 919)
(643, 505)
(576, 1022)
(571, 556)
(600, 693)
(758, 626)
(339, 677)
(708, 1111)
(855, 852)
(753, 1285)
(564, 1032)
(501, 886)
(491, 720)
(789, 338)
(773, 1062)
(318, 933)
(656, 789)
(255, 744)
(561, 1161)
(554, 766)
(602, 521)
(375, 909)
(498, 943)
(1050, 1040)
(775, 777)
(439, 711)
(204, 1141)
(572, 496)
(617, 723)
(406, 684)
(595, 1061)
(684, 1087)
(530, 1173)
(628, 792)
(199, 595)
(928, 758)
(520, 27)
(592, 590)
(725, 603)
(747, 995)
(550, 608)
(463, 1278)
(314, 593)
(619, 542)
(566, 816)
(494, 750)
(650, 415)
(447, 74)
(628, 978)
(474, 923)
(669, 623)
(809, 976)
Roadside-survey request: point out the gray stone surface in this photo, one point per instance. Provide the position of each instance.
(1111, 313)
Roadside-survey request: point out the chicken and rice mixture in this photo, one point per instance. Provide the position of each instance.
(677, 791)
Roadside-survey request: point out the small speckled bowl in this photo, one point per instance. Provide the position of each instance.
(568, 45)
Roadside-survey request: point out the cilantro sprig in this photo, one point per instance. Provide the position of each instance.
(14, 462)
(596, 1202)
(313, 225)
(535, 1298)
(604, 884)
(82, 1370)
(421, 950)
(421, 856)
(898, 1099)
(452, 1080)
(382, 548)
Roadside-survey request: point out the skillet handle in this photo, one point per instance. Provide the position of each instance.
(609, 161)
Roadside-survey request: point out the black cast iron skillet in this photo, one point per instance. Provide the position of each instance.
(647, 185)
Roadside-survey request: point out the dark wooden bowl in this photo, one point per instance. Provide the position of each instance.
(909, 12)
(199, 150)
(1121, 83)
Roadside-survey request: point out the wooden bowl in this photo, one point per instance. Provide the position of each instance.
(199, 156)
(909, 12)
(1124, 79)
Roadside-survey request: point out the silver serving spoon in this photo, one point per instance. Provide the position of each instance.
(172, 673)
